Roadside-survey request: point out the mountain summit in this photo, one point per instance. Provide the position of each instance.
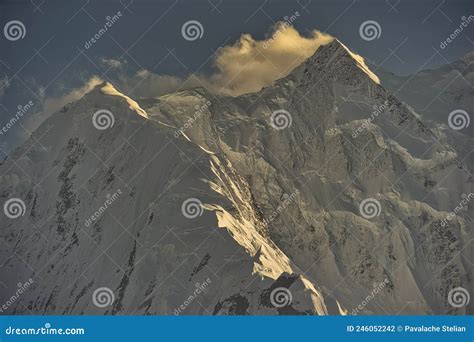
(336, 57)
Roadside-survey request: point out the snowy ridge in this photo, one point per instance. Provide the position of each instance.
(109, 89)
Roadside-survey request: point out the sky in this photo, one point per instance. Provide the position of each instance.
(144, 49)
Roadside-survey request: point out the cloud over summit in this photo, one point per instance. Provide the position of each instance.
(249, 64)
(245, 66)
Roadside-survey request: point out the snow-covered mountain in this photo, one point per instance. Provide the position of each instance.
(302, 198)
(435, 92)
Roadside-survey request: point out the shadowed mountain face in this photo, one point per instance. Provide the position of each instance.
(320, 194)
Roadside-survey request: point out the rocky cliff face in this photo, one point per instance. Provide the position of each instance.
(321, 194)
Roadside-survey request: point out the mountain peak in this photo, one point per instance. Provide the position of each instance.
(337, 52)
(335, 43)
(108, 88)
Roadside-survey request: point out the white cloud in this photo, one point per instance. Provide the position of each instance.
(250, 64)
(246, 66)
(112, 63)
